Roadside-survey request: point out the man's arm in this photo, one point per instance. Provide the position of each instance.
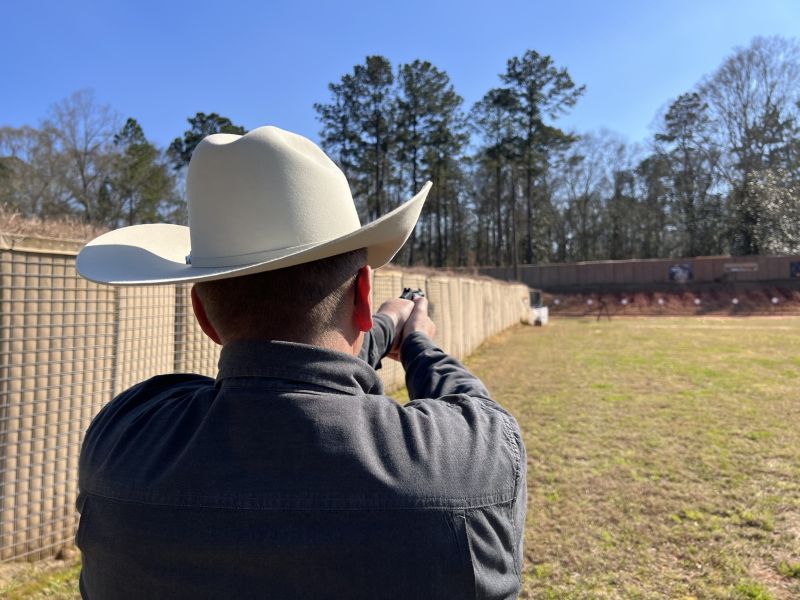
(430, 372)
(384, 337)
(432, 377)
(377, 341)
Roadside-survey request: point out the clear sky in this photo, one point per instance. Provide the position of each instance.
(267, 62)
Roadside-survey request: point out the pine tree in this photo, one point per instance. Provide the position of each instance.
(358, 128)
(430, 136)
(691, 156)
(492, 119)
(201, 125)
(541, 91)
(141, 182)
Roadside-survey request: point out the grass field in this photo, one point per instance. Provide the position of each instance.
(664, 458)
(663, 455)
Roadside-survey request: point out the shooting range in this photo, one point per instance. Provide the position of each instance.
(610, 243)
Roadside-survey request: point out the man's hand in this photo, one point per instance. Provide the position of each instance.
(398, 310)
(418, 321)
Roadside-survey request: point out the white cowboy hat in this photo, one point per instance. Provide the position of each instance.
(262, 201)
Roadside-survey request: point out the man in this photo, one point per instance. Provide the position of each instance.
(291, 475)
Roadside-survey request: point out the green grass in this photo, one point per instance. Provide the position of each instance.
(56, 580)
(663, 455)
(663, 458)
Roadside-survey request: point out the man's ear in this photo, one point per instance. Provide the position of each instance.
(363, 308)
(202, 318)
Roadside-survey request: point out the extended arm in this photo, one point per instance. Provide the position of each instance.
(383, 338)
(431, 373)
(378, 340)
(446, 393)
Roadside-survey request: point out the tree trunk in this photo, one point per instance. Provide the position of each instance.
(514, 243)
(529, 203)
(498, 197)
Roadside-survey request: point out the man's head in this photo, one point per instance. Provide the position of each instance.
(318, 302)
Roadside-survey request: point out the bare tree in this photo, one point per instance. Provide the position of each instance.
(33, 172)
(754, 96)
(84, 132)
(582, 185)
(754, 99)
(76, 164)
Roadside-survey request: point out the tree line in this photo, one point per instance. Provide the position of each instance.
(720, 175)
(82, 161)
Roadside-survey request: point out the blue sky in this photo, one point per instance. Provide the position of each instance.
(268, 62)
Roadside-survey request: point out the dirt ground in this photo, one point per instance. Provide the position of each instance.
(721, 302)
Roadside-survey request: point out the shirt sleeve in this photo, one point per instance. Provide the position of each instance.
(377, 341)
(433, 376)
(431, 373)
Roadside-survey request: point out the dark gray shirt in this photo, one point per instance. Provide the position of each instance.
(293, 476)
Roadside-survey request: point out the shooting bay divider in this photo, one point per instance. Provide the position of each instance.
(68, 346)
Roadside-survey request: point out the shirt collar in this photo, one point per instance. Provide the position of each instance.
(289, 361)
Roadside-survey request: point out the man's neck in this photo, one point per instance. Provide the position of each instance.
(331, 340)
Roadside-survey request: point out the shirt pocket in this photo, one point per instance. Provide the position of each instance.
(458, 524)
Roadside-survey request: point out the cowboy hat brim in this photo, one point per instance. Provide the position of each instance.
(156, 254)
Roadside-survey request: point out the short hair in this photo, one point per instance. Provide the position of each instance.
(296, 303)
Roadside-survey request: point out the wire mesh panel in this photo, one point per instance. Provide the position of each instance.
(145, 334)
(475, 323)
(489, 310)
(194, 351)
(387, 284)
(457, 316)
(439, 296)
(466, 316)
(415, 281)
(56, 371)
(495, 311)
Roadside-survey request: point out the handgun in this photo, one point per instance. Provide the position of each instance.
(409, 294)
